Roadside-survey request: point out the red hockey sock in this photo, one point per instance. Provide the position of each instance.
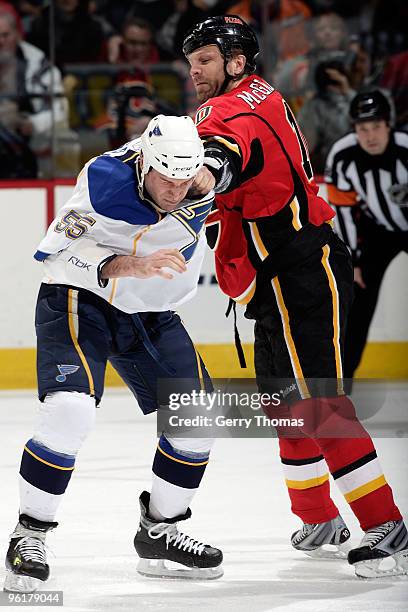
(351, 457)
(307, 478)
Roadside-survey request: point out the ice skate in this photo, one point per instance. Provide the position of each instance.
(165, 552)
(26, 561)
(323, 540)
(383, 551)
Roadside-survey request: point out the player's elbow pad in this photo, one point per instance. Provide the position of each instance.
(82, 263)
(222, 167)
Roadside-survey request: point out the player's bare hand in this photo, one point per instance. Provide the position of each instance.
(203, 182)
(113, 48)
(147, 266)
(340, 79)
(358, 278)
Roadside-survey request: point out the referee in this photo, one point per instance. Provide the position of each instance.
(367, 182)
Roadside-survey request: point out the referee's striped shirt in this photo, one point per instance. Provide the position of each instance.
(355, 177)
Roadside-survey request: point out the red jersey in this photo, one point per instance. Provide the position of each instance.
(271, 215)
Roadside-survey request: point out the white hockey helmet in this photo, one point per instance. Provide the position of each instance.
(172, 146)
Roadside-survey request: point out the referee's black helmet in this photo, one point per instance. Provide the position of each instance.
(370, 106)
(228, 32)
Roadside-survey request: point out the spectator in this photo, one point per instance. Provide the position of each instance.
(132, 105)
(107, 27)
(78, 36)
(154, 11)
(325, 117)
(289, 18)
(26, 79)
(7, 7)
(157, 11)
(30, 8)
(227, 7)
(194, 11)
(184, 15)
(395, 78)
(360, 65)
(27, 11)
(135, 46)
(389, 28)
(295, 76)
(329, 33)
(113, 11)
(346, 8)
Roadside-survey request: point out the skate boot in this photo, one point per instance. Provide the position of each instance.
(383, 551)
(26, 561)
(165, 552)
(323, 540)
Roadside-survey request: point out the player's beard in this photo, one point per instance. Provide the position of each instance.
(206, 92)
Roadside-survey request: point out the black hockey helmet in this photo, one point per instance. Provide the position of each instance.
(228, 32)
(369, 106)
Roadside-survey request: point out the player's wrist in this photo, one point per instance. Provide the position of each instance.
(109, 268)
(121, 266)
(103, 271)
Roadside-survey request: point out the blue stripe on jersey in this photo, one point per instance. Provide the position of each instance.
(40, 255)
(113, 191)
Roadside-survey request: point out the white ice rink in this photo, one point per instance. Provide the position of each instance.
(242, 507)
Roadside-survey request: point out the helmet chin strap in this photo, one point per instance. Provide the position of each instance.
(144, 194)
(228, 78)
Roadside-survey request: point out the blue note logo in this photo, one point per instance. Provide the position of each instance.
(156, 132)
(64, 371)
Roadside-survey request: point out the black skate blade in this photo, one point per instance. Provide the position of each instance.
(393, 566)
(170, 570)
(17, 583)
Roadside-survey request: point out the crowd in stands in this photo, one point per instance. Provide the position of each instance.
(80, 76)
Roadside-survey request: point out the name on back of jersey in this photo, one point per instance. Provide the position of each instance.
(259, 92)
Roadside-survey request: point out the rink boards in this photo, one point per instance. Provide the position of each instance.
(30, 207)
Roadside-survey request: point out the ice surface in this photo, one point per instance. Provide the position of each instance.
(242, 507)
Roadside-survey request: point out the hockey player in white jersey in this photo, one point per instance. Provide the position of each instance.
(123, 253)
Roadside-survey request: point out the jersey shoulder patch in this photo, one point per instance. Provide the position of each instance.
(112, 188)
(202, 114)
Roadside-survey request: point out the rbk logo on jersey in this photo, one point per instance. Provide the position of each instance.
(75, 261)
(64, 371)
(202, 114)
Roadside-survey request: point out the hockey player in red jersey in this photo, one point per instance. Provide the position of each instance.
(276, 253)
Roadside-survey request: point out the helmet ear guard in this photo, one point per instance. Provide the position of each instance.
(172, 146)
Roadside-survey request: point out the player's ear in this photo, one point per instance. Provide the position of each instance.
(236, 65)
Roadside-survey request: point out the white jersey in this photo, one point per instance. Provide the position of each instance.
(108, 214)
